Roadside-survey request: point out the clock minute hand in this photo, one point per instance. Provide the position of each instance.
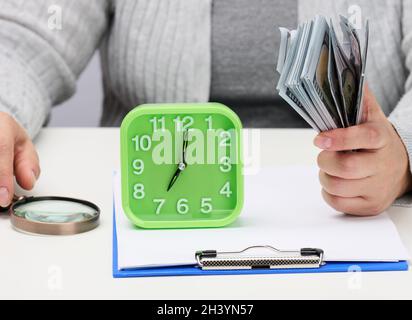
(184, 149)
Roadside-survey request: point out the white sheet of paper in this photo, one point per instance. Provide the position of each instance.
(283, 208)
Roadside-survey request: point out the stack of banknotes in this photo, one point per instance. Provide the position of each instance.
(322, 76)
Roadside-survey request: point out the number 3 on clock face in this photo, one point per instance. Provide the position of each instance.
(181, 166)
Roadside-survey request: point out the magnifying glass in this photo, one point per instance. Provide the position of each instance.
(53, 215)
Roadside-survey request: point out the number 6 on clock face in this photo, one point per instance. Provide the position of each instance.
(181, 166)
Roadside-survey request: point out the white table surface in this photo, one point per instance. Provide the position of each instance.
(79, 163)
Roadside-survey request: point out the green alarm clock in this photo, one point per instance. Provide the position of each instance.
(181, 166)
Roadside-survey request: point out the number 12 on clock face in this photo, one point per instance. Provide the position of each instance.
(181, 166)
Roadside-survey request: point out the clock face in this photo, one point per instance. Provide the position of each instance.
(181, 166)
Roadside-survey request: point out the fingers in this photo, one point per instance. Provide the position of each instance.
(348, 165)
(26, 165)
(344, 188)
(17, 157)
(6, 165)
(354, 206)
(370, 136)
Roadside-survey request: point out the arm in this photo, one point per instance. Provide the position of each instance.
(39, 65)
(401, 117)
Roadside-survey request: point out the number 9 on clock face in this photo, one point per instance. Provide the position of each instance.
(181, 166)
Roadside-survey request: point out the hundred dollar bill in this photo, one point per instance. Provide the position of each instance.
(284, 43)
(284, 92)
(335, 87)
(314, 74)
(360, 107)
(347, 80)
(293, 81)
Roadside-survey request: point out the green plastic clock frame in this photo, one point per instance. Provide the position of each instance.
(133, 124)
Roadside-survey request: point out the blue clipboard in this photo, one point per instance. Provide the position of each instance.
(329, 267)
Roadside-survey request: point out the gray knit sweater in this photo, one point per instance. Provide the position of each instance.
(160, 50)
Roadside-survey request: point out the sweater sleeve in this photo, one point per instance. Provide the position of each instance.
(401, 116)
(44, 46)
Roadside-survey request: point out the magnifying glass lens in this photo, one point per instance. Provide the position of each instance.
(55, 211)
(54, 215)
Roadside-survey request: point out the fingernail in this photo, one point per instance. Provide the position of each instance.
(34, 178)
(323, 142)
(4, 197)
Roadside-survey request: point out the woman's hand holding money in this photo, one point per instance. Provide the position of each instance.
(367, 181)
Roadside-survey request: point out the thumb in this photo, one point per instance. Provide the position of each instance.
(372, 111)
(26, 164)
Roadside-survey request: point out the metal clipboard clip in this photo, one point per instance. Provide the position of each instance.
(260, 257)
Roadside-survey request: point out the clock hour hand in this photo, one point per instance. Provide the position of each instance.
(179, 170)
(182, 165)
